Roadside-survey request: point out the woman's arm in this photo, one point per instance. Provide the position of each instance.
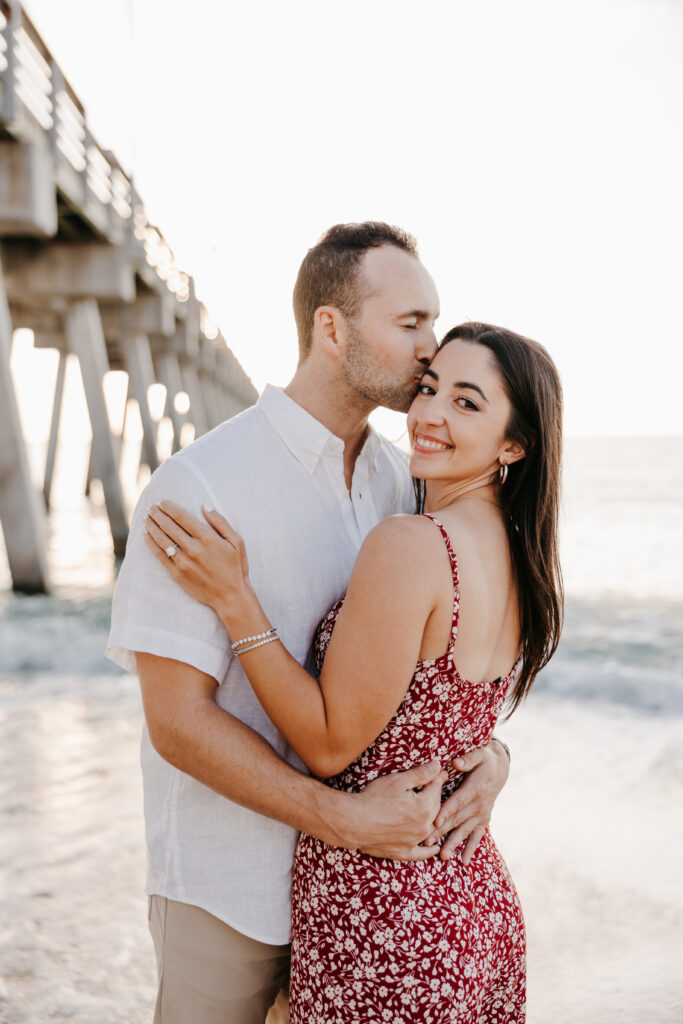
(374, 648)
(190, 731)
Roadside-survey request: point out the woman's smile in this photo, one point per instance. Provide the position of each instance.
(427, 443)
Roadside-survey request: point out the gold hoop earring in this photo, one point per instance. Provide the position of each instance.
(503, 472)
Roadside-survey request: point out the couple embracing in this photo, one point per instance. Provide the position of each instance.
(288, 612)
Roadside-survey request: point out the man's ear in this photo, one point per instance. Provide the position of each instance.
(512, 451)
(329, 330)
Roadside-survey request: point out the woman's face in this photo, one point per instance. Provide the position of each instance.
(457, 423)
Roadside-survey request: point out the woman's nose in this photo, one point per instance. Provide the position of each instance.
(431, 411)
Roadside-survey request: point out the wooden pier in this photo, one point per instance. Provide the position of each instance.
(81, 266)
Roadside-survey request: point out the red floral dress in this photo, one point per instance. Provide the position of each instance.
(393, 942)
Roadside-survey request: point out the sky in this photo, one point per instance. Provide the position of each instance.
(534, 149)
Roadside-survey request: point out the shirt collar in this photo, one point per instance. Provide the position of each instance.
(305, 436)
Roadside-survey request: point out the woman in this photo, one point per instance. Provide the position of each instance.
(448, 615)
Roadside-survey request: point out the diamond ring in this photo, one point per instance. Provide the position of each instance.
(171, 550)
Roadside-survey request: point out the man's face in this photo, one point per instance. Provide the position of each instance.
(391, 339)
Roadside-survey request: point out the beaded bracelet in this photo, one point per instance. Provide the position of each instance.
(250, 639)
(252, 647)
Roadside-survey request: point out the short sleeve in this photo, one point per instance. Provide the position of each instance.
(151, 613)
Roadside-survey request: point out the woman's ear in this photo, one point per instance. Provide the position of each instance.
(512, 451)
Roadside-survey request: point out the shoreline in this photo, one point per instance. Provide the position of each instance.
(585, 825)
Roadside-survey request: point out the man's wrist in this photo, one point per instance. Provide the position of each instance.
(334, 817)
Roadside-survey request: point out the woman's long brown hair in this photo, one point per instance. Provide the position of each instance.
(530, 495)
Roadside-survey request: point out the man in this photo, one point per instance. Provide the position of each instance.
(303, 478)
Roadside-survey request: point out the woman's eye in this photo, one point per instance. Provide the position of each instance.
(467, 403)
(426, 389)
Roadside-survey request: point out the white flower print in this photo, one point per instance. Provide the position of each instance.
(429, 942)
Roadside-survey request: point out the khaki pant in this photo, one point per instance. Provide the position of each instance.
(211, 974)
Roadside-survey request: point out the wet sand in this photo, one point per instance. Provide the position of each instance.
(74, 945)
(590, 825)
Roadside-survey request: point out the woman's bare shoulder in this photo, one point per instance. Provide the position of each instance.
(402, 535)
(398, 572)
(400, 548)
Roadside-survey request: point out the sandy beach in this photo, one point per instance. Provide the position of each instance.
(593, 842)
(591, 828)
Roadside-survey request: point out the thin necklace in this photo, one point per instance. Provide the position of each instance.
(478, 497)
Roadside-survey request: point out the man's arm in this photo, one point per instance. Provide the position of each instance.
(188, 729)
(465, 815)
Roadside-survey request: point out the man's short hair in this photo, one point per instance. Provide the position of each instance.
(330, 274)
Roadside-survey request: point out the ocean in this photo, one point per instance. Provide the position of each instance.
(622, 557)
(590, 820)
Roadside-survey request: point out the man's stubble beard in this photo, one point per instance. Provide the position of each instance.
(369, 379)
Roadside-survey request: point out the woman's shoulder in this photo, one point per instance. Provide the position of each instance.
(403, 531)
(408, 531)
(400, 562)
(405, 540)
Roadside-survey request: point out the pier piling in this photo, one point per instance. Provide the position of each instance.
(92, 278)
(20, 512)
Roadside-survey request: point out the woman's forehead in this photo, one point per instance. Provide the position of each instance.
(462, 353)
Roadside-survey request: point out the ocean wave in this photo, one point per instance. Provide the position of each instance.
(60, 634)
(620, 651)
(617, 651)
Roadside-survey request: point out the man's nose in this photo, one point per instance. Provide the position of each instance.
(425, 345)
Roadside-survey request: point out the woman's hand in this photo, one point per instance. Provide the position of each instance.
(208, 561)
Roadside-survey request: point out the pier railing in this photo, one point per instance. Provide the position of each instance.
(84, 269)
(38, 101)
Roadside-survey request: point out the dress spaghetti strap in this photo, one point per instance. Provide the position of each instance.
(456, 578)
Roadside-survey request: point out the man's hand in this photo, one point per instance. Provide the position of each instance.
(389, 819)
(466, 814)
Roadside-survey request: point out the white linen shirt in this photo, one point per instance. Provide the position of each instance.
(277, 475)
